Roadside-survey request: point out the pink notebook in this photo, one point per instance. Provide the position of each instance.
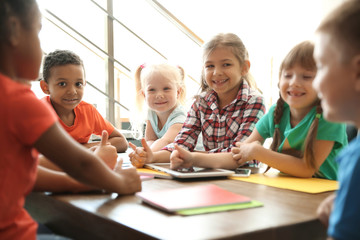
(173, 200)
(146, 177)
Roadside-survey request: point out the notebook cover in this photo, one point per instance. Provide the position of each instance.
(236, 206)
(172, 200)
(146, 177)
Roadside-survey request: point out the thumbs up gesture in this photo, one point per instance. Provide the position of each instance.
(181, 158)
(106, 151)
(141, 155)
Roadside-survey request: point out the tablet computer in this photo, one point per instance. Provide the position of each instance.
(193, 172)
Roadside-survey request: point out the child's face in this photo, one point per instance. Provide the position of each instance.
(223, 72)
(336, 82)
(65, 86)
(28, 53)
(161, 94)
(296, 88)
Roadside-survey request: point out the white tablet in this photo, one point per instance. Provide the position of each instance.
(194, 172)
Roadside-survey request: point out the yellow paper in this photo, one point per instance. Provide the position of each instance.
(279, 180)
(154, 173)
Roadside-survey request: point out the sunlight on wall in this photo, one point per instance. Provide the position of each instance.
(269, 30)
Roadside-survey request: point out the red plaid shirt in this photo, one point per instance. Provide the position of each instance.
(221, 129)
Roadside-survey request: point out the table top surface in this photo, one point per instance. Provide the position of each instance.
(286, 214)
(283, 209)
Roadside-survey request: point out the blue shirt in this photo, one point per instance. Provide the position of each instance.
(178, 115)
(345, 219)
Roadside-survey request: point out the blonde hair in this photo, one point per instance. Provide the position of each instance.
(301, 54)
(175, 74)
(237, 47)
(343, 24)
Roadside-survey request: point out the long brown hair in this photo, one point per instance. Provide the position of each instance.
(237, 47)
(301, 54)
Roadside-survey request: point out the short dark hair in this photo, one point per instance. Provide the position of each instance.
(18, 8)
(59, 58)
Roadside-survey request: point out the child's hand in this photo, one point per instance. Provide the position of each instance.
(243, 152)
(93, 148)
(106, 151)
(181, 158)
(141, 155)
(324, 210)
(131, 179)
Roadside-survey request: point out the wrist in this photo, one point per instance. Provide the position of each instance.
(255, 148)
(193, 156)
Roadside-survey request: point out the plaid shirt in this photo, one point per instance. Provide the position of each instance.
(221, 128)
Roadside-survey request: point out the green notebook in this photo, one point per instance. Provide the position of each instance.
(213, 209)
(199, 199)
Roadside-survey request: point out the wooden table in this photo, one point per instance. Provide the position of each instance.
(286, 214)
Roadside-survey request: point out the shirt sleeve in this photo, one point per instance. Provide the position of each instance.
(332, 132)
(190, 130)
(30, 117)
(254, 110)
(178, 116)
(265, 125)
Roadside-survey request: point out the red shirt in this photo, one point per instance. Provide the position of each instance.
(87, 121)
(23, 119)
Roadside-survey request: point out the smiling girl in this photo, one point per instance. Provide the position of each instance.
(162, 88)
(304, 144)
(225, 112)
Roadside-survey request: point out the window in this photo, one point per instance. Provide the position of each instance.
(111, 50)
(114, 37)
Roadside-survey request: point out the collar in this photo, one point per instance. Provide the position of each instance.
(242, 95)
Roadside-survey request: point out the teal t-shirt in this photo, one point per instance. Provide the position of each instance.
(296, 136)
(178, 115)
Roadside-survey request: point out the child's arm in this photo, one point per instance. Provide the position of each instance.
(116, 139)
(46, 163)
(83, 165)
(254, 137)
(107, 153)
(168, 137)
(286, 163)
(150, 135)
(142, 155)
(245, 123)
(55, 181)
(119, 141)
(181, 158)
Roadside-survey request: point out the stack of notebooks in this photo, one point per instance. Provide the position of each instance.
(197, 200)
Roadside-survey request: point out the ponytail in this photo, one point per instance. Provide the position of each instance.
(308, 153)
(278, 112)
(139, 97)
(277, 118)
(311, 137)
(181, 86)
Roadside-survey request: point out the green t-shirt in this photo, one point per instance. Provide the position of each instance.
(296, 136)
